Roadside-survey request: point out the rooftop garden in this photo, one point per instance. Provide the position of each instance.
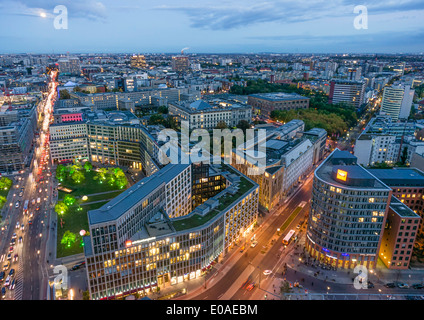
(196, 220)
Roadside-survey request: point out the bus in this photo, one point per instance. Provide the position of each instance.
(288, 237)
(26, 206)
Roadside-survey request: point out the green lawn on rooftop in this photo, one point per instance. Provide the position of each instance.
(88, 186)
(74, 221)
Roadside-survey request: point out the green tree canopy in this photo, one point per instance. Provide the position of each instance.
(61, 208)
(69, 200)
(68, 238)
(78, 176)
(88, 166)
(5, 183)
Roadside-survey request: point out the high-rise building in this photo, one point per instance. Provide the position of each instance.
(267, 102)
(180, 63)
(397, 101)
(349, 92)
(69, 65)
(349, 206)
(138, 61)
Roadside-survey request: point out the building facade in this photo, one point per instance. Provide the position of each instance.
(265, 103)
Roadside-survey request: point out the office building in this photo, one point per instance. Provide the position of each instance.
(138, 61)
(207, 115)
(180, 64)
(399, 236)
(397, 101)
(349, 92)
(265, 103)
(69, 66)
(135, 245)
(348, 213)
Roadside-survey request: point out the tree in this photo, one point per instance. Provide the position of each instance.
(60, 172)
(156, 119)
(78, 176)
(69, 200)
(163, 109)
(404, 156)
(68, 238)
(244, 125)
(101, 175)
(61, 208)
(5, 183)
(2, 201)
(221, 125)
(64, 94)
(121, 179)
(86, 295)
(88, 166)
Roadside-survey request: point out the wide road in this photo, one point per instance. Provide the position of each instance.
(218, 289)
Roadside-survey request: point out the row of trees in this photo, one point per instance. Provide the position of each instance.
(112, 176)
(73, 171)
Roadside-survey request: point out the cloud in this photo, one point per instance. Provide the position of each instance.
(241, 14)
(86, 9)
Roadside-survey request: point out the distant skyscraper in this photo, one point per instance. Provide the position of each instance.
(180, 63)
(397, 101)
(138, 61)
(70, 65)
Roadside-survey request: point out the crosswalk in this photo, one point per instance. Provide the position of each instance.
(19, 282)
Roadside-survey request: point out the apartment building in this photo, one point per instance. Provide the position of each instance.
(345, 91)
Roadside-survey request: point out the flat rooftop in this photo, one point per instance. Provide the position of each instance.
(127, 199)
(279, 96)
(400, 176)
(357, 177)
(401, 209)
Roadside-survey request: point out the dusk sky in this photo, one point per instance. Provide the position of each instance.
(220, 26)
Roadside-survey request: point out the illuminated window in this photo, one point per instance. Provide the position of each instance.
(341, 175)
(371, 200)
(361, 219)
(373, 219)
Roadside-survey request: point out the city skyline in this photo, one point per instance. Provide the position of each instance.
(224, 27)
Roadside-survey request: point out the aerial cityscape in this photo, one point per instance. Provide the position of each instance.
(202, 154)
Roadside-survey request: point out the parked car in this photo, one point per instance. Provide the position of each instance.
(3, 292)
(390, 285)
(402, 285)
(254, 244)
(417, 286)
(370, 285)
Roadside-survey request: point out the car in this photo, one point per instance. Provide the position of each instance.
(3, 292)
(267, 272)
(20, 239)
(418, 286)
(14, 236)
(370, 285)
(30, 222)
(254, 244)
(11, 272)
(11, 249)
(12, 285)
(402, 285)
(17, 204)
(9, 256)
(7, 282)
(17, 225)
(6, 266)
(250, 286)
(21, 194)
(37, 208)
(298, 226)
(22, 227)
(15, 258)
(390, 285)
(40, 190)
(2, 274)
(13, 242)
